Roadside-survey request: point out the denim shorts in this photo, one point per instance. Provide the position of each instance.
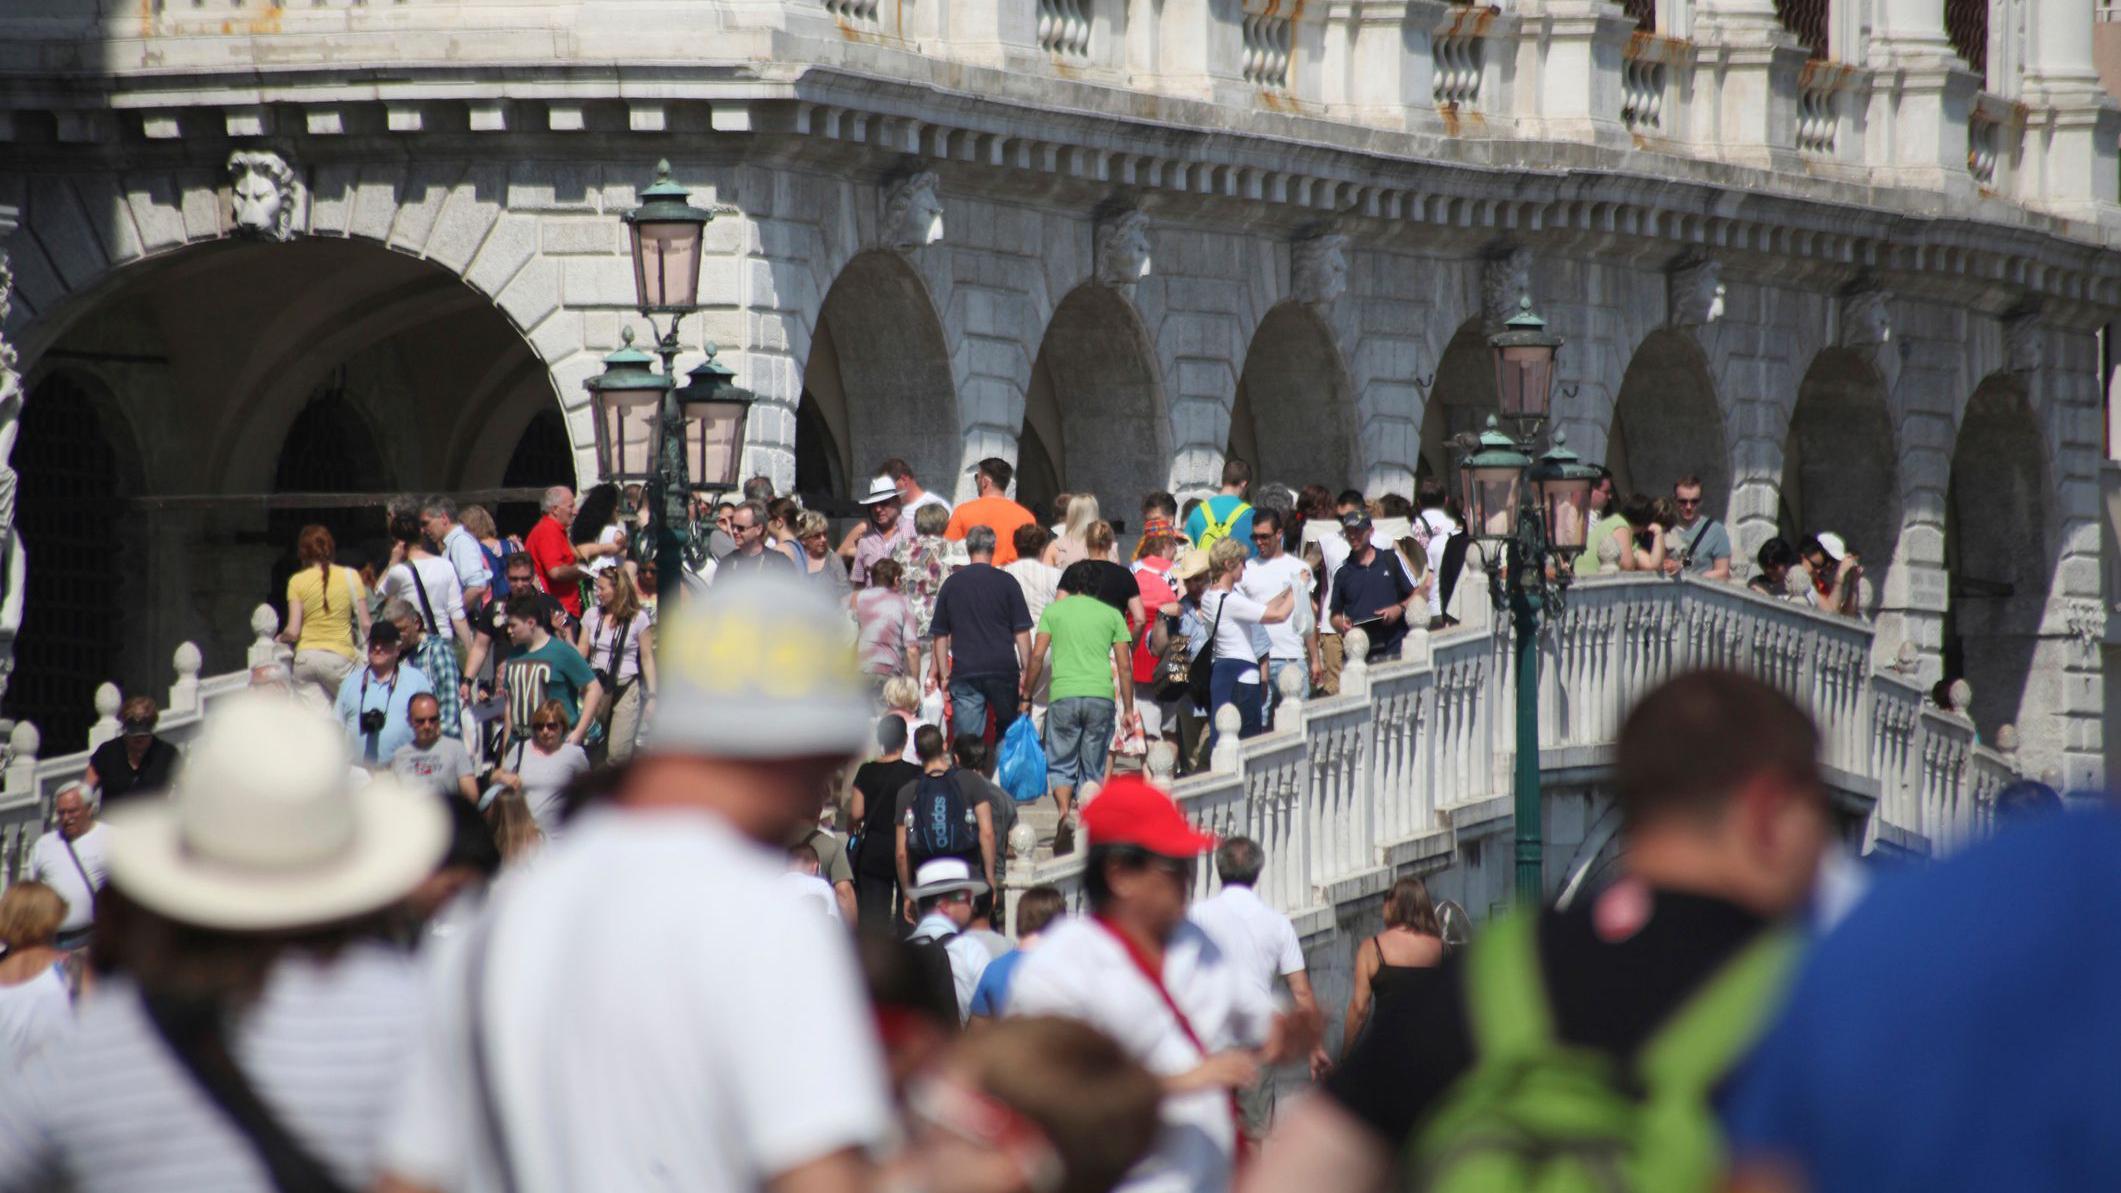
(1078, 737)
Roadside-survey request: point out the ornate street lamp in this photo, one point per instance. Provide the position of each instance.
(623, 402)
(1533, 531)
(666, 230)
(716, 410)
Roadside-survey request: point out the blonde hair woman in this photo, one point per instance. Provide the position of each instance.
(1232, 616)
(36, 987)
(820, 562)
(619, 626)
(543, 765)
(1074, 542)
(902, 699)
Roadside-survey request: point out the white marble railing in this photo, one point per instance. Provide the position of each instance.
(1352, 788)
(29, 781)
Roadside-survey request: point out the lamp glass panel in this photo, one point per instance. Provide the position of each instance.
(1524, 376)
(1568, 506)
(625, 432)
(1494, 505)
(666, 262)
(714, 446)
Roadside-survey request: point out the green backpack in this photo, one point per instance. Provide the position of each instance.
(1536, 1115)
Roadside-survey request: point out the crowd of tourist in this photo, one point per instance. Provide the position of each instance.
(509, 880)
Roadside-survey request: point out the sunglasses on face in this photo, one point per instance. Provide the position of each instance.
(541, 726)
(1686, 502)
(434, 720)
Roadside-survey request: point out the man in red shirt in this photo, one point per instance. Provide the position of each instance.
(559, 571)
(991, 508)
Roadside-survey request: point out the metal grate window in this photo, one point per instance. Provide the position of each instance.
(1966, 23)
(1807, 19)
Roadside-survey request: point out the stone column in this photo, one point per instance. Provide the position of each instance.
(1570, 57)
(1921, 98)
(2072, 126)
(1741, 45)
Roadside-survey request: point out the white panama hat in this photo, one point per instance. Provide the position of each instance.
(941, 876)
(265, 830)
(881, 490)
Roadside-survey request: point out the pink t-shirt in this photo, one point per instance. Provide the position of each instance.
(885, 630)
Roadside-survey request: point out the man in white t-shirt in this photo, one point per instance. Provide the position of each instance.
(71, 862)
(1262, 945)
(1174, 999)
(1292, 643)
(650, 1005)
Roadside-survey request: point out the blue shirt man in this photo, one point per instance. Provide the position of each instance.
(385, 686)
(1371, 590)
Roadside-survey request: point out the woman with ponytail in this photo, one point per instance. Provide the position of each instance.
(326, 605)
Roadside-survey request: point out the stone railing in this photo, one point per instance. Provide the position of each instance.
(28, 781)
(1413, 760)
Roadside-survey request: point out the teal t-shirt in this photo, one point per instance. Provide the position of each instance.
(1084, 631)
(554, 671)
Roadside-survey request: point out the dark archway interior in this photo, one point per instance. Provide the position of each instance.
(1840, 466)
(69, 509)
(1666, 424)
(1460, 399)
(542, 458)
(1095, 405)
(1997, 552)
(879, 377)
(1294, 417)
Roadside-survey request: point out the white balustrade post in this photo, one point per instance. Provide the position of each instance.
(23, 742)
(1294, 683)
(2073, 127)
(1161, 763)
(266, 647)
(1922, 97)
(1228, 724)
(1415, 647)
(108, 701)
(1355, 667)
(184, 694)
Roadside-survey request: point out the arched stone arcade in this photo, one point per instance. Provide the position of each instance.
(1667, 424)
(1840, 464)
(1293, 419)
(1094, 417)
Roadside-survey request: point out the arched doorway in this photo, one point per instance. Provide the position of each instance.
(1294, 417)
(1997, 552)
(1461, 397)
(70, 505)
(542, 458)
(277, 384)
(878, 383)
(1094, 411)
(1666, 424)
(1838, 463)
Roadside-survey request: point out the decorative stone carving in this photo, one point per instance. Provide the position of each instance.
(913, 212)
(14, 562)
(1866, 318)
(1318, 269)
(2023, 346)
(1123, 249)
(1696, 293)
(261, 194)
(1503, 279)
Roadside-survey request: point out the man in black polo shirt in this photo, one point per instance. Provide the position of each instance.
(982, 633)
(1725, 818)
(1370, 590)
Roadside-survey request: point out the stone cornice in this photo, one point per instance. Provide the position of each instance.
(1034, 134)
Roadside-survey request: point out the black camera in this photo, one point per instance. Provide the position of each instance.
(372, 720)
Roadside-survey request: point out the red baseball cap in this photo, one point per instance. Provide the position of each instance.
(1128, 811)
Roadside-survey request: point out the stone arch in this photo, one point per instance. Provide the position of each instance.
(73, 485)
(1840, 463)
(1095, 408)
(540, 458)
(1999, 551)
(1294, 416)
(1667, 423)
(878, 375)
(1461, 397)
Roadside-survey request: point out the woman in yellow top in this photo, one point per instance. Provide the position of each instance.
(325, 604)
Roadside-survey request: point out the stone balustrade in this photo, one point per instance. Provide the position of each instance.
(1408, 770)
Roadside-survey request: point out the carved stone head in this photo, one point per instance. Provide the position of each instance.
(913, 212)
(1318, 269)
(1697, 293)
(261, 193)
(1503, 278)
(1866, 318)
(2023, 349)
(1123, 249)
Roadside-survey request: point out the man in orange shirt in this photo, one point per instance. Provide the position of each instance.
(991, 508)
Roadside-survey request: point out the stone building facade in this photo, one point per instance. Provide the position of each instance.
(1846, 260)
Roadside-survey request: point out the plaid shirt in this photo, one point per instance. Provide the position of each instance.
(437, 660)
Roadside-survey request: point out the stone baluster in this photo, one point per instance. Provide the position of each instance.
(1162, 763)
(1294, 683)
(1228, 724)
(1355, 670)
(266, 648)
(23, 742)
(108, 700)
(184, 694)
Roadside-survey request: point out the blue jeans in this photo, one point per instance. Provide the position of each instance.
(1249, 698)
(972, 697)
(1078, 737)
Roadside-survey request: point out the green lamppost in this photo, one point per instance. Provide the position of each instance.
(1532, 532)
(649, 429)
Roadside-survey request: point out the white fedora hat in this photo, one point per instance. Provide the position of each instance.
(941, 876)
(881, 489)
(264, 829)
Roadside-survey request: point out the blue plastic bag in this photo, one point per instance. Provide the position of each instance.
(1022, 769)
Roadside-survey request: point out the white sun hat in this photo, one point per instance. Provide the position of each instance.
(1836, 549)
(264, 829)
(881, 489)
(941, 876)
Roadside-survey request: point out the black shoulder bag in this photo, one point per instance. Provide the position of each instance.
(193, 1035)
(427, 611)
(1200, 674)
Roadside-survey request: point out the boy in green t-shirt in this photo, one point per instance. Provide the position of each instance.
(1089, 643)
